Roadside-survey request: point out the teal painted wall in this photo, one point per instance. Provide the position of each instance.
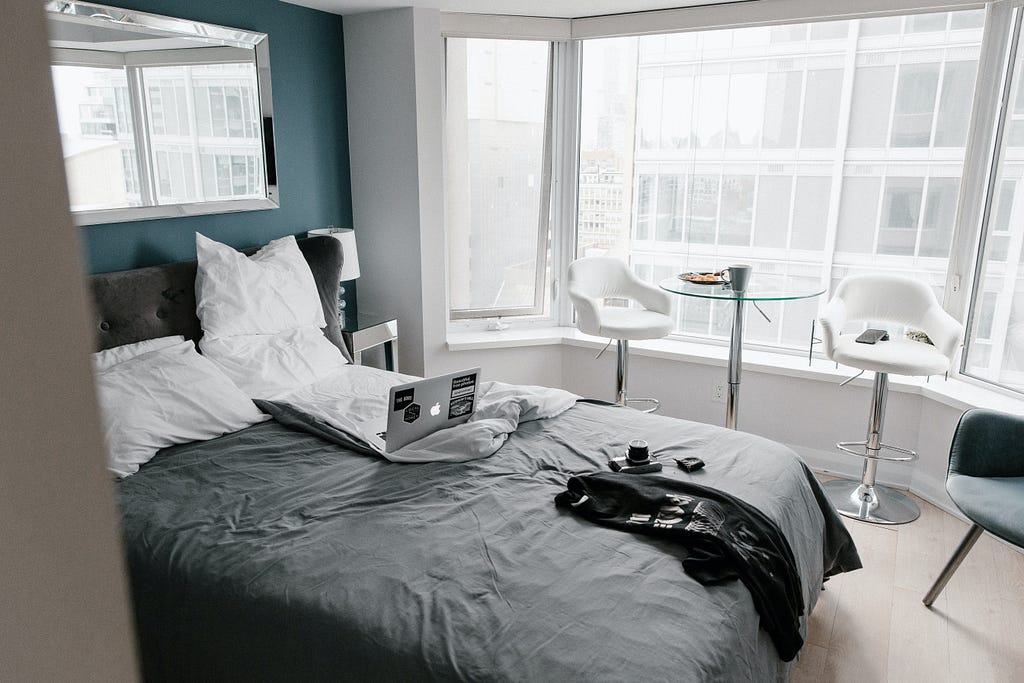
(308, 79)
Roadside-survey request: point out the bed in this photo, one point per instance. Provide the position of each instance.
(272, 554)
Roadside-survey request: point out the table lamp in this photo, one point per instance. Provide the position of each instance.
(349, 266)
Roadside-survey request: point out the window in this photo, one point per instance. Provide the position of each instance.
(812, 150)
(995, 338)
(815, 150)
(498, 176)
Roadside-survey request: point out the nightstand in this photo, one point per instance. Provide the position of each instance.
(361, 331)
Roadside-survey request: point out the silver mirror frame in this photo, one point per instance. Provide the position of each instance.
(205, 33)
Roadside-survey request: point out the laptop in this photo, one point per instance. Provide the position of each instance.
(420, 408)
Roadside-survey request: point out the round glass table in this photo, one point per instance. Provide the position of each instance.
(762, 287)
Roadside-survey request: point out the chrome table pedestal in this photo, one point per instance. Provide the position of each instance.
(762, 287)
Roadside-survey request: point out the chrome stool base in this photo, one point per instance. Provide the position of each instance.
(865, 500)
(875, 503)
(622, 375)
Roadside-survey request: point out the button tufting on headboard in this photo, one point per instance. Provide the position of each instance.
(161, 313)
(105, 326)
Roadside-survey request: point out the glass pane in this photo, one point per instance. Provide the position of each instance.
(671, 195)
(773, 194)
(96, 136)
(213, 121)
(649, 123)
(967, 20)
(858, 215)
(496, 109)
(782, 109)
(675, 115)
(901, 210)
(737, 209)
(955, 104)
(923, 23)
(939, 214)
(869, 118)
(712, 106)
(702, 209)
(606, 200)
(645, 207)
(746, 100)
(995, 342)
(829, 30)
(882, 26)
(821, 108)
(915, 105)
(810, 212)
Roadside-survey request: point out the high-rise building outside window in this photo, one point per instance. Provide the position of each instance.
(815, 150)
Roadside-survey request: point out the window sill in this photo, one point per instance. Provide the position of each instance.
(956, 393)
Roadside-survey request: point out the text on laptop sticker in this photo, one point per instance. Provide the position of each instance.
(403, 398)
(463, 396)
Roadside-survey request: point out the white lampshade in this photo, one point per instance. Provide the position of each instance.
(347, 237)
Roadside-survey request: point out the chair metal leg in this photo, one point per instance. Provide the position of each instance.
(865, 500)
(973, 534)
(622, 377)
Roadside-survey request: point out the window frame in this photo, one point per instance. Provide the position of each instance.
(976, 173)
(975, 295)
(546, 228)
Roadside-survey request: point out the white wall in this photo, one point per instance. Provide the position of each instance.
(64, 613)
(394, 90)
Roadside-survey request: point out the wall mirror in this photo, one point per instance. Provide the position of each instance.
(159, 116)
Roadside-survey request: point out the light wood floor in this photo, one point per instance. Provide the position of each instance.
(870, 625)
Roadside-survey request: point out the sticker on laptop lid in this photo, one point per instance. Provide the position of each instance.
(463, 396)
(402, 399)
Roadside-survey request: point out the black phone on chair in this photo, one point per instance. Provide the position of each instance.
(872, 336)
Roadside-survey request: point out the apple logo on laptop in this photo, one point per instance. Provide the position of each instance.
(435, 410)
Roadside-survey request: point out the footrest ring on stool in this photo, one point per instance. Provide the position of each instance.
(652, 404)
(861, 451)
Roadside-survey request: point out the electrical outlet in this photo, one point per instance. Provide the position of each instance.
(718, 392)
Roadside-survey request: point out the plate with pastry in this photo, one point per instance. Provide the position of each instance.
(704, 278)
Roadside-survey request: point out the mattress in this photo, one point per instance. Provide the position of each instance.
(272, 554)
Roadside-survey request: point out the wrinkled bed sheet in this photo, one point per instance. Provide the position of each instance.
(272, 554)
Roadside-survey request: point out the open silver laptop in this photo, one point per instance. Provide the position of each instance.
(423, 407)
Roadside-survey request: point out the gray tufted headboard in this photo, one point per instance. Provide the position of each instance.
(159, 301)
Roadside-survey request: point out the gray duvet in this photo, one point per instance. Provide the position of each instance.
(272, 554)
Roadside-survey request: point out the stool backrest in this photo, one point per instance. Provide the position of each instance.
(600, 277)
(593, 279)
(886, 298)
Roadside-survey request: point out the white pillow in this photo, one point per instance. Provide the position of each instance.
(167, 397)
(270, 292)
(271, 365)
(104, 360)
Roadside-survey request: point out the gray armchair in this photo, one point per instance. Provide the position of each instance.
(986, 481)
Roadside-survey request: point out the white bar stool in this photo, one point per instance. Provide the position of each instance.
(877, 298)
(595, 279)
